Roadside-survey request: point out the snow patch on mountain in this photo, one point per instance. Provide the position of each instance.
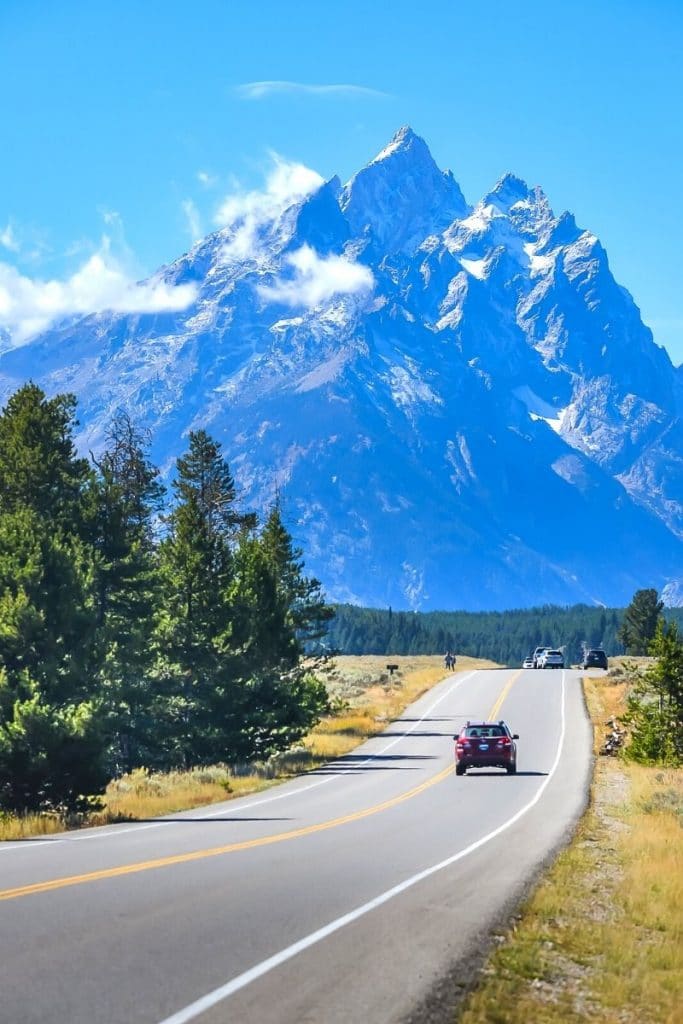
(391, 358)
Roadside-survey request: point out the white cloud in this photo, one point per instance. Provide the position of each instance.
(8, 239)
(316, 279)
(194, 221)
(261, 90)
(246, 212)
(29, 305)
(207, 179)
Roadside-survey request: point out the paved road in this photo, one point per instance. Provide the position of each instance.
(341, 896)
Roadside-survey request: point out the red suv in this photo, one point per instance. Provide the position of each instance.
(485, 745)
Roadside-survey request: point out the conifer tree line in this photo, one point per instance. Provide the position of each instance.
(506, 637)
(139, 628)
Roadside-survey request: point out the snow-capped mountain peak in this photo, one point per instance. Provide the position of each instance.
(459, 404)
(401, 196)
(508, 190)
(404, 140)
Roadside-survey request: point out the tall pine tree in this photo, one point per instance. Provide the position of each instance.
(278, 612)
(50, 718)
(197, 560)
(128, 496)
(639, 624)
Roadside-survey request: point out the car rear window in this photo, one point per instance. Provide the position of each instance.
(485, 730)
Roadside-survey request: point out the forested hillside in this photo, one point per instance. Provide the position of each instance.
(505, 637)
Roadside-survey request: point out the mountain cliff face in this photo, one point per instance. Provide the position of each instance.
(459, 405)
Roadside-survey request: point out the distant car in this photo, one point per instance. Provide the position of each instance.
(551, 659)
(485, 745)
(536, 656)
(595, 658)
(528, 662)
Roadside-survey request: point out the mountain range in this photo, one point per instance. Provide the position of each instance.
(459, 405)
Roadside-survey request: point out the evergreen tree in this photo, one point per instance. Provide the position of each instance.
(50, 729)
(278, 695)
(127, 497)
(639, 624)
(655, 704)
(50, 755)
(39, 468)
(197, 568)
(204, 475)
(303, 597)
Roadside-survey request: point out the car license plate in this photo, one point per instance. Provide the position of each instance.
(483, 746)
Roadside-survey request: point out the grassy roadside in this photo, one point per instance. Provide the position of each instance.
(601, 938)
(364, 698)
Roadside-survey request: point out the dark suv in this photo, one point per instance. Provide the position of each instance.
(595, 659)
(485, 745)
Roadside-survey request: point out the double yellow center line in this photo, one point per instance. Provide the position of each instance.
(249, 844)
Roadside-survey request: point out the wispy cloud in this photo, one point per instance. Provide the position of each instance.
(111, 217)
(29, 305)
(245, 213)
(26, 243)
(207, 179)
(8, 239)
(315, 279)
(193, 219)
(261, 90)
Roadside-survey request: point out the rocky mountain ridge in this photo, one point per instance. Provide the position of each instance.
(459, 404)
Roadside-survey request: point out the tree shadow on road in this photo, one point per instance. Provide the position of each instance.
(352, 763)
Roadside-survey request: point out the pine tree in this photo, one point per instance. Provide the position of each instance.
(278, 695)
(655, 703)
(39, 468)
(639, 624)
(50, 720)
(309, 614)
(127, 497)
(197, 566)
(204, 475)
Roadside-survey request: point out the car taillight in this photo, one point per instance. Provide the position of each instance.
(505, 742)
(464, 743)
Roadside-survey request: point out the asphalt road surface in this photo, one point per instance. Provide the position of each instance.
(345, 895)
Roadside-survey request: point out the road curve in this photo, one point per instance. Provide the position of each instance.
(346, 894)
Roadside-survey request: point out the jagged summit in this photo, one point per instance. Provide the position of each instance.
(508, 190)
(403, 141)
(401, 196)
(459, 405)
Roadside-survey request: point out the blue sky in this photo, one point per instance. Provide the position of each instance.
(126, 120)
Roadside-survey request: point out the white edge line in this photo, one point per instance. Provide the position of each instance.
(236, 805)
(210, 1000)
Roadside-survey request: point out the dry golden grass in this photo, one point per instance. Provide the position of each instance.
(601, 939)
(29, 826)
(369, 697)
(143, 794)
(366, 699)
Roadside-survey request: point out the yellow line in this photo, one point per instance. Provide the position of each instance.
(495, 710)
(250, 844)
(185, 858)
